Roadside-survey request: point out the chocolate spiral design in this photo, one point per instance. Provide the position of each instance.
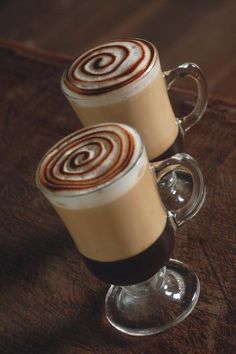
(87, 159)
(109, 66)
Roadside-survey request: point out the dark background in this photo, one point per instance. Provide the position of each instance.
(201, 31)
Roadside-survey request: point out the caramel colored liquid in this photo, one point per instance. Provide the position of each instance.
(148, 111)
(119, 229)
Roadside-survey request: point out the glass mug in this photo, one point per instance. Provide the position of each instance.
(122, 81)
(103, 187)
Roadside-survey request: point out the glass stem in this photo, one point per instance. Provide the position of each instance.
(148, 287)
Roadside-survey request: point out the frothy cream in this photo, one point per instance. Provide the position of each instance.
(108, 67)
(78, 171)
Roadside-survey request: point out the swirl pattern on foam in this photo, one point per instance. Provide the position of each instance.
(88, 158)
(110, 66)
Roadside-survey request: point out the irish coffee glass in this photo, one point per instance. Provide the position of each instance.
(94, 179)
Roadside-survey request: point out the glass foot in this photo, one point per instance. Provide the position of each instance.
(176, 189)
(155, 305)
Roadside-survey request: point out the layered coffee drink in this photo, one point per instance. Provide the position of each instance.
(122, 81)
(100, 183)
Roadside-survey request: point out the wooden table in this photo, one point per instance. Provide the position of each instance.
(49, 303)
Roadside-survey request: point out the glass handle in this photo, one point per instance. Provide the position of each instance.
(187, 164)
(190, 70)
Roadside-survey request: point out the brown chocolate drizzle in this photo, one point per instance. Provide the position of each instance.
(69, 165)
(115, 80)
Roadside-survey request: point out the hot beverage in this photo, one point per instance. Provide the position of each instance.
(122, 81)
(104, 189)
(101, 185)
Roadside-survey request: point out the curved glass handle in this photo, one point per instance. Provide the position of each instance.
(187, 164)
(191, 70)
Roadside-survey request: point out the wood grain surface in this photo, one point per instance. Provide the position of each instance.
(200, 31)
(49, 303)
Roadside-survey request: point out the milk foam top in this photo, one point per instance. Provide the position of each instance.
(109, 67)
(80, 170)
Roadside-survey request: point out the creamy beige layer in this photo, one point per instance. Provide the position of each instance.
(149, 111)
(122, 228)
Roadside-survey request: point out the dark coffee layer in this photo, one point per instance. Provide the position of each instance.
(175, 148)
(138, 268)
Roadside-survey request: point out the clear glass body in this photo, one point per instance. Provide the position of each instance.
(120, 301)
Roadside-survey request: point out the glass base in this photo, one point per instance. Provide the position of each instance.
(176, 189)
(155, 305)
